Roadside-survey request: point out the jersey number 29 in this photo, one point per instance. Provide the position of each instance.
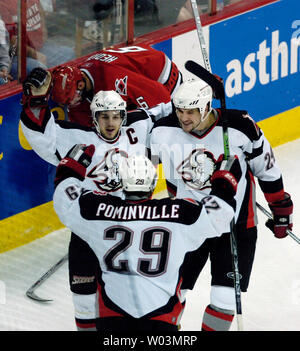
(153, 241)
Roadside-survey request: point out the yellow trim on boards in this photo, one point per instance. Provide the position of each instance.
(22, 139)
(283, 127)
(27, 226)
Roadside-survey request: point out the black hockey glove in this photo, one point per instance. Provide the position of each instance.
(224, 180)
(36, 88)
(282, 216)
(75, 163)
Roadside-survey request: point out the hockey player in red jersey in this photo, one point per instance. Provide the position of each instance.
(188, 142)
(143, 76)
(115, 134)
(141, 244)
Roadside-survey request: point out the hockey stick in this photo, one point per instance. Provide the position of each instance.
(269, 215)
(117, 22)
(220, 94)
(118, 27)
(30, 292)
(200, 35)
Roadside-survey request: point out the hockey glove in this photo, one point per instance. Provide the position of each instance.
(282, 217)
(224, 180)
(36, 88)
(75, 163)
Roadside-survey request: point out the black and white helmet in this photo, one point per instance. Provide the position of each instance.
(107, 100)
(138, 177)
(194, 94)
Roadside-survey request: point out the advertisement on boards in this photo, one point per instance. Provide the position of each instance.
(258, 56)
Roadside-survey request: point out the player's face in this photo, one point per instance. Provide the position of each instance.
(109, 123)
(78, 93)
(189, 119)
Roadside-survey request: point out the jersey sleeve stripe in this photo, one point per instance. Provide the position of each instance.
(31, 122)
(137, 115)
(272, 190)
(255, 152)
(170, 76)
(278, 196)
(179, 82)
(165, 73)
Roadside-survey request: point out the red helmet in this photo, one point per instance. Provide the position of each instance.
(65, 80)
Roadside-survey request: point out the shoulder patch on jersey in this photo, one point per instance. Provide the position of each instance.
(168, 121)
(241, 120)
(246, 115)
(190, 210)
(135, 116)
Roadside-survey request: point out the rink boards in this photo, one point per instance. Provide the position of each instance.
(256, 53)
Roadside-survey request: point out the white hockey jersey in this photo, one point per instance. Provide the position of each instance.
(188, 160)
(141, 246)
(51, 139)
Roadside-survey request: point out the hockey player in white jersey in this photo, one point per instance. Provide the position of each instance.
(188, 142)
(141, 244)
(115, 134)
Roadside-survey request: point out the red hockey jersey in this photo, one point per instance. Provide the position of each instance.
(143, 76)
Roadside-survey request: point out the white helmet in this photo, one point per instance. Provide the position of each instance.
(194, 94)
(107, 101)
(138, 177)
